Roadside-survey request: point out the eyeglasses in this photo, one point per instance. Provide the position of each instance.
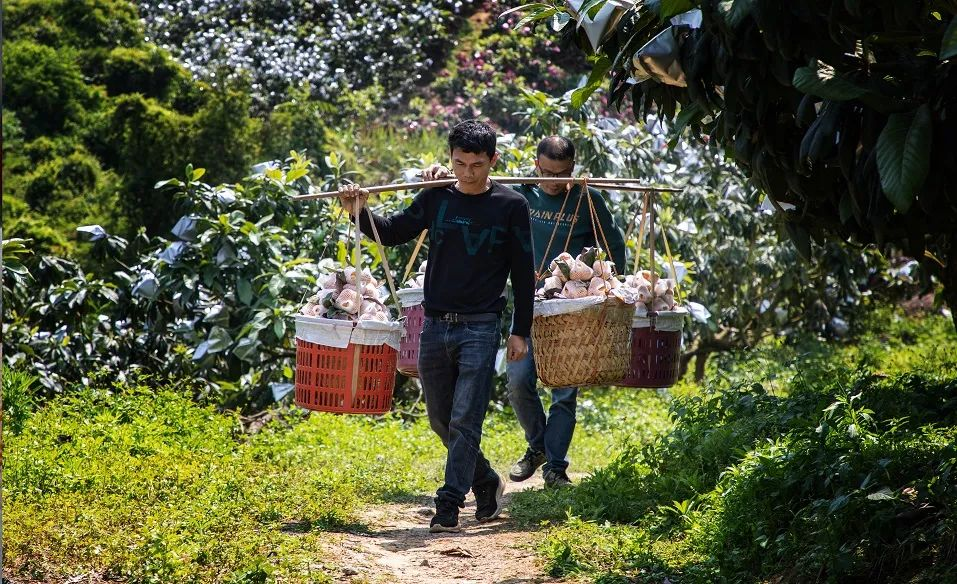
(562, 174)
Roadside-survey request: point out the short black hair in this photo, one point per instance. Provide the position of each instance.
(474, 137)
(557, 148)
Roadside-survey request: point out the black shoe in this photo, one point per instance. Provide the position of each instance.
(446, 518)
(556, 478)
(488, 499)
(527, 466)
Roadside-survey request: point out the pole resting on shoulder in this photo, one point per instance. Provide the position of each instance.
(615, 184)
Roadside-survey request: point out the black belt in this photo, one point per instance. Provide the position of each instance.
(459, 317)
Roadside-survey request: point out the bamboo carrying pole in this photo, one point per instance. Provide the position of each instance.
(619, 184)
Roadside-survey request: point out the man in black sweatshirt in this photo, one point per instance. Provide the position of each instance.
(550, 436)
(479, 235)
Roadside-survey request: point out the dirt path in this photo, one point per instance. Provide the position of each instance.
(399, 548)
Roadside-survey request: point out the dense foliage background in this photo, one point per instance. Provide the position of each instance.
(153, 261)
(839, 111)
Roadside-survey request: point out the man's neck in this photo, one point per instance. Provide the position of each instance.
(560, 193)
(474, 189)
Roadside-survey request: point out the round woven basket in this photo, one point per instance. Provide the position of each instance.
(591, 346)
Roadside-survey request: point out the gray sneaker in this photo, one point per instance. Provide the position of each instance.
(527, 466)
(556, 478)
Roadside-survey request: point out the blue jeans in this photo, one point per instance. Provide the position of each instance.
(456, 365)
(552, 434)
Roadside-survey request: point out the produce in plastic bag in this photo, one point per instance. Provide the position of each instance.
(346, 295)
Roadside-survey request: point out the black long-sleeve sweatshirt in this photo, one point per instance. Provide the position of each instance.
(475, 243)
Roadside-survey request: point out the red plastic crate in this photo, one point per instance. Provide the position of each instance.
(324, 378)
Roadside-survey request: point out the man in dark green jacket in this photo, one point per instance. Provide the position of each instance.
(549, 437)
(556, 158)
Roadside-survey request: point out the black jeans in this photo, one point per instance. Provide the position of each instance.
(456, 366)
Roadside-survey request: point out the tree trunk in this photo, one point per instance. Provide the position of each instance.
(699, 363)
(700, 353)
(683, 363)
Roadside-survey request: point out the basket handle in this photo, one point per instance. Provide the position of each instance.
(415, 254)
(648, 211)
(357, 264)
(382, 254)
(596, 227)
(357, 257)
(596, 222)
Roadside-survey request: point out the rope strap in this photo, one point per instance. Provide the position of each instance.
(571, 228)
(540, 274)
(385, 260)
(593, 212)
(671, 262)
(415, 254)
(641, 233)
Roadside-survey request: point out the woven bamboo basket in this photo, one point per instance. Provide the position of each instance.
(591, 346)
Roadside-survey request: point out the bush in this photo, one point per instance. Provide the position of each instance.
(144, 141)
(101, 116)
(20, 221)
(846, 478)
(222, 136)
(490, 63)
(853, 498)
(19, 399)
(73, 23)
(297, 125)
(44, 86)
(51, 186)
(149, 71)
(335, 46)
(77, 173)
(215, 301)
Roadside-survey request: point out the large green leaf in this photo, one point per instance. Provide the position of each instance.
(903, 155)
(821, 80)
(248, 349)
(801, 238)
(688, 115)
(244, 290)
(591, 8)
(219, 340)
(532, 7)
(669, 8)
(948, 48)
(598, 73)
(535, 16)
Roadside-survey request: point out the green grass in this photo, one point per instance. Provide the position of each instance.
(749, 479)
(136, 482)
(144, 486)
(888, 343)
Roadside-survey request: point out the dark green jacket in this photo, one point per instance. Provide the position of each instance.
(543, 211)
